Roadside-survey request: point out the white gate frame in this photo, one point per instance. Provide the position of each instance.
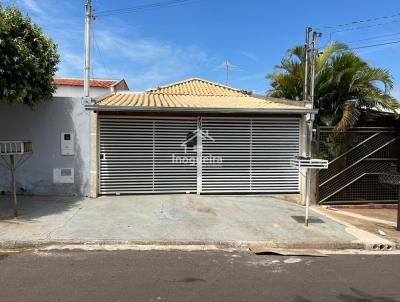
(199, 156)
(95, 153)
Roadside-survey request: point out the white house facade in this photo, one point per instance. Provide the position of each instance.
(195, 136)
(53, 126)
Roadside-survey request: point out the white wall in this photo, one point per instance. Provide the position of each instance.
(77, 91)
(44, 126)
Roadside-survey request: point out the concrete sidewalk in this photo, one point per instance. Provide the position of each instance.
(374, 221)
(170, 219)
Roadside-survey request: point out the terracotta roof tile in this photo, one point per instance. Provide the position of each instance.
(79, 82)
(194, 93)
(198, 87)
(133, 99)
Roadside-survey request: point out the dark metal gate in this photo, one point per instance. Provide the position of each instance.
(356, 159)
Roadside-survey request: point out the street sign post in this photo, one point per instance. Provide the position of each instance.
(304, 163)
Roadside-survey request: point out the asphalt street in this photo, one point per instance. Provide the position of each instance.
(196, 276)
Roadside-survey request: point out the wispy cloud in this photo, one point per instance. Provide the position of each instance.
(249, 55)
(247, 82)
(152, 62)
(119, 48)
(136, 49)
(71, 63)
(33, 6)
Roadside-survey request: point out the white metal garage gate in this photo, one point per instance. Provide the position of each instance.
(159, 155)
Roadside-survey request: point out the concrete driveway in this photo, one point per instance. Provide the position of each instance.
(165, 218)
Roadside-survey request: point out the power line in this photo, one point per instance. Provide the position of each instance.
(136, 8)
(359, 21)
(368, 46)
(365, 26)
(96, 46)
(373, 38)
(139, 7)
(354, 44)
(375, 45)
(91, 46)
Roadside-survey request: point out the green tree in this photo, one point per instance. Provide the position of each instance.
(345, 84)
(28, 59)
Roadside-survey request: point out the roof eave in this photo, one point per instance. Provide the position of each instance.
(105, 108)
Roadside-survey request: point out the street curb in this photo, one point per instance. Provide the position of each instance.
(363, 206)
(204, 244)
(363, 217)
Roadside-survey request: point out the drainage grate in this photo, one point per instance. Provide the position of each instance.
(300, 219)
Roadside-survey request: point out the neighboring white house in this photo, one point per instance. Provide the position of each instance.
(54, 126)
(72, 87)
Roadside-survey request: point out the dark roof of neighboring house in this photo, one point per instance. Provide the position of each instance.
(79, 82)
(280, 100)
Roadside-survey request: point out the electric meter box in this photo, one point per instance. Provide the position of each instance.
(63, 175)
(67, 143)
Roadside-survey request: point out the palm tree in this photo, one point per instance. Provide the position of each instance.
(345, 84)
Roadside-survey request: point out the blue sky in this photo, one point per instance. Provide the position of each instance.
(158, 46)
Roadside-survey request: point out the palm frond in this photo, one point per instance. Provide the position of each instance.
(345, 84)
(326, 54)
(350, 116)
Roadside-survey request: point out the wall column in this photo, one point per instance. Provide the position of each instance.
(303, 151)
(94, 154)
(199, 160)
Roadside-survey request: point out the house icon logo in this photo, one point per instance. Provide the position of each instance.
(191, 139)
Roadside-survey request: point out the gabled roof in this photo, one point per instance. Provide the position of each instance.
(155, 100)
(198, 87)
(195, 95)
(98, 83)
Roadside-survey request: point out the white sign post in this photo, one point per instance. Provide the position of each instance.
(306, 164)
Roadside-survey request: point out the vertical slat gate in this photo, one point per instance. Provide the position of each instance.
(136, 155)
(274, 142)
(169, 174)
(255, 155)
(231, 142)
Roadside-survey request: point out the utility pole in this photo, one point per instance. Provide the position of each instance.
(88, 20)
(313, 63)
(312, 88)
(306, 48)
(310, 121)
